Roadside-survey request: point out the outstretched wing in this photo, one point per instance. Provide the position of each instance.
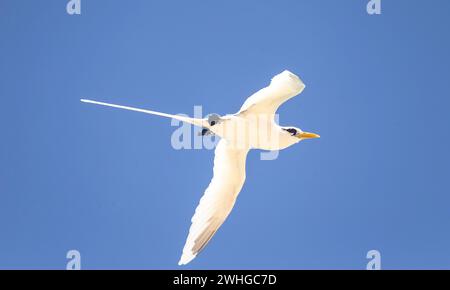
(218, 200)
(266, 101)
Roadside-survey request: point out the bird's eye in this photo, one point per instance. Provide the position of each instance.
(292, 131)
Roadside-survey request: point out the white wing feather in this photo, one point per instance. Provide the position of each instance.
(218, 199)
(267, 100)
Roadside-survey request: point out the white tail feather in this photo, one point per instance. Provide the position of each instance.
(193, 121)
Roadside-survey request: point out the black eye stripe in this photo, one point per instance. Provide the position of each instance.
(292, 131)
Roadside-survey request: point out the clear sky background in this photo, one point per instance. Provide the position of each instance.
(108, 183)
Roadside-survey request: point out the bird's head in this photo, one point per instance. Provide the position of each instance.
(298, 133)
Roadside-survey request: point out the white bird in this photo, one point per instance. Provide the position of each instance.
(253, 127)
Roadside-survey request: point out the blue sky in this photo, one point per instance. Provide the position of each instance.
(107, 182)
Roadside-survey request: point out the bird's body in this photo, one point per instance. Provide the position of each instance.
(253, 127)
(256, 131)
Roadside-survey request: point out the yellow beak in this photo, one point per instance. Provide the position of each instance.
(307, 135)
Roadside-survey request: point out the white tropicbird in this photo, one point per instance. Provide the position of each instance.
(253, 127)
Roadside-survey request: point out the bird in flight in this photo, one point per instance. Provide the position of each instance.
(253, 127)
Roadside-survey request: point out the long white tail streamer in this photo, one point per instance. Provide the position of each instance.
(193, 121)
